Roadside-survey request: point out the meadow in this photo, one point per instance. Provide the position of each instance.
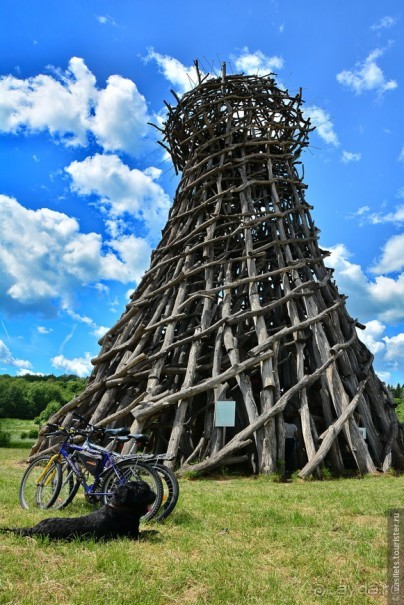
(231, 540)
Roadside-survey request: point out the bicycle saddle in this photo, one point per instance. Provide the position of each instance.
(121, 432)
(138, 437)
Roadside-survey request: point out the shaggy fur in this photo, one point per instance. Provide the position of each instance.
(119, 518)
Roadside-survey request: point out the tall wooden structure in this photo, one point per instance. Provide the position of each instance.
(238, 305)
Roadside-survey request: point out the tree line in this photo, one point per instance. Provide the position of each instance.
(36, 397)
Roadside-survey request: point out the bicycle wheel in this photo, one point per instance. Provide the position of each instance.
(130, 470)
(68, 488)
(171, 491)
(40, 483)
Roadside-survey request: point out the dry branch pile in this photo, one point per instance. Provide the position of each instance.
(238, 305)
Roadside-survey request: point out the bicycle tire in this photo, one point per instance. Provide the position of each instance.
(38, 490)
(171, 491)
(68, 489)
(130, 470)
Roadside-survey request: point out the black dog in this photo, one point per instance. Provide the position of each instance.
(119, 518)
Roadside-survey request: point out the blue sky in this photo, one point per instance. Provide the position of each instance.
(85, 188)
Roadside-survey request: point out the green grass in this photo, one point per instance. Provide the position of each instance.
(16, 427)
(230, 541)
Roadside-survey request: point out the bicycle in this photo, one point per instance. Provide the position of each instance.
(171, 488)
(170, 485)
(48, 478)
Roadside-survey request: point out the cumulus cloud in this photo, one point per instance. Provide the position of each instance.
(323, 123)
(376, 303)
(184, 78)
(57, 104)
(120, 117)
(181, 77)
(122, 190)
(71, 107)
(81, 366)
(23, 372)
(349, 276)
(372, 335)
(380, 298)
(348, 156)
(8, 358)
(256, 62)
(388, 350)
(392, 258)
(367, 76)
(395, 348)
(44, 258)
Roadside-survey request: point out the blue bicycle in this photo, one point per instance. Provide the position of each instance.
(52, 481)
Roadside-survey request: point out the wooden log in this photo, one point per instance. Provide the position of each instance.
(242, 439)
(331, 433)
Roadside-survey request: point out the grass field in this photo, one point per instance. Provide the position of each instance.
(16, 428)
(230, 541)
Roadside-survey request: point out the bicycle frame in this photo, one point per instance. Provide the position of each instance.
(68, 452)
(46, 470)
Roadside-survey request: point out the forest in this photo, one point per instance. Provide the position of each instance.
(36, 397)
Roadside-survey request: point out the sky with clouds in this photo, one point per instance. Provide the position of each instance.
(85, 188)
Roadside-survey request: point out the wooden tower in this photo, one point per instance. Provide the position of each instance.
(238, 305)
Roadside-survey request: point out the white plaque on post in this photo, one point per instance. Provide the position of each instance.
(225, 413)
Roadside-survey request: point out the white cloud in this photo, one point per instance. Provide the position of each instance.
(378, 299)
(384, 376)
(392, 258)
(122, 190)
(81, 366)
(362, 210)
(387, 294)
(43, 330)
(105, 19)
(134, 253)
(376, 218)
(181, 77)
(384, 23)
(45, 259)
(349, 276)
(367, 75)
(100, 331)
(395, 348)
(185, 78)
(121, 116)
(348, 156)
(372, 335)
(256, 62)
(322, 121)
(397, 216)
(24, 372)
(70, 106)
(44, 102)
(377, 303)
(8, 358)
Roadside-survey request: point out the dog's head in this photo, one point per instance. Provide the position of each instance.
(136, 496)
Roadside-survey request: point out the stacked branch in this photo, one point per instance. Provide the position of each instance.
(238, 305)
